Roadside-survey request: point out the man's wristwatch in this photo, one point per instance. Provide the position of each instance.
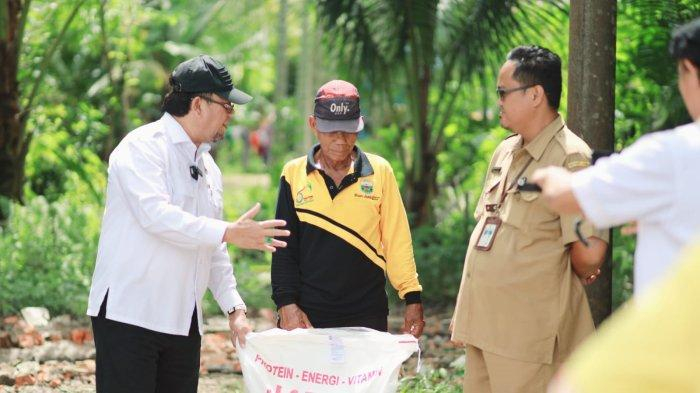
(236, 308)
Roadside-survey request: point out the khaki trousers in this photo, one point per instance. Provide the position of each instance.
(490, 373)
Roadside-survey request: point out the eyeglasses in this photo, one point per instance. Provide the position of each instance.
(228, 107)
(502, 93)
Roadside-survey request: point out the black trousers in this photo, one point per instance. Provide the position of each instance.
(132, 359)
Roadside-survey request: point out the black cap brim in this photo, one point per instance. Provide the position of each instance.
(351, 126)
(236, 96)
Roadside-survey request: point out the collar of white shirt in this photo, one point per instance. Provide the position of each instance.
(177, 136)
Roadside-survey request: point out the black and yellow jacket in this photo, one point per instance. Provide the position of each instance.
(344, 241)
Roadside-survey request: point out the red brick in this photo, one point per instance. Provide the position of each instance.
(5, 340)
(11, 320)
(25, 340)
(24, 380)
(79, 336)
(56, 336)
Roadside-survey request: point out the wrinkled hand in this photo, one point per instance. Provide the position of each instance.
(292, 317)
(413, 322)
(238, 323)
(256, 235)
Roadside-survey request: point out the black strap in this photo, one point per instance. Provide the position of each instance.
(515, 180)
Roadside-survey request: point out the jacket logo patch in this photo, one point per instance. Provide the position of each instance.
(304, 195)
(367, 187)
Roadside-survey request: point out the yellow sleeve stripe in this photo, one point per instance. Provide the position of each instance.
(577, 164)
(342, 232)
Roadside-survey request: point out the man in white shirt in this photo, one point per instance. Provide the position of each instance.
(163, 240)
(653, 182)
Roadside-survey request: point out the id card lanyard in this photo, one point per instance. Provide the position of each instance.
(493, 223)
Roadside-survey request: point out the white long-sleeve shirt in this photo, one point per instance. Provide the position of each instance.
(161, 240)
(655, 182)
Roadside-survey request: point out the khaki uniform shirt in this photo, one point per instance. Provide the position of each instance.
(522, 296)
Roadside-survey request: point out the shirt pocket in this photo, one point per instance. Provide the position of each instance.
(217, 200)
(491, 185)
(491, 191)
(527, 211)
(183, 192)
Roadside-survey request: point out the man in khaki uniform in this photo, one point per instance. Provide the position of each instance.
(521, 307)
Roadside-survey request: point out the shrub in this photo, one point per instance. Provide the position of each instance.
(47, 254)
(439, 253)
(434, 381)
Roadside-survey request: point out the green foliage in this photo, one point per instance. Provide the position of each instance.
(434, 381)
(439, 253)
(253, 279)
(646, 95)
(48, 246)
(47, 254)
(56, 166)
(623, 267)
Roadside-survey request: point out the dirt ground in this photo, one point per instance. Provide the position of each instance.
(59, 357)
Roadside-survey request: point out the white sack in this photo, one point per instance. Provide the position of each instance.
(324, 360)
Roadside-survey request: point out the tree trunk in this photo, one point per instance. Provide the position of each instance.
(13, 143)
(421, 188)
(115, 113)
(305, 74)
(592, 104)
(282, 63)
(282, 78)
(421, 184)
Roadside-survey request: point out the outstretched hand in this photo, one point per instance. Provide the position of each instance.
(256, 235)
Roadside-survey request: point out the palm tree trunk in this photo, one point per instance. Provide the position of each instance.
(282, 78)
(592, 104)
(13, 143)
(14, 140)
(306, 73)
(421, 185)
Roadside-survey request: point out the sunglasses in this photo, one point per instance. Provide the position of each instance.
(502, 93)
(228, 107)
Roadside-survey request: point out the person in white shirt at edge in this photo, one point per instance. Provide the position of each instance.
(163, 240)
(653, 182)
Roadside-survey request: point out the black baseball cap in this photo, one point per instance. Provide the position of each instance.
(337, 107)
(203, 74)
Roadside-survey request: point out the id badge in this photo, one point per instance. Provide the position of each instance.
(488, 233)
